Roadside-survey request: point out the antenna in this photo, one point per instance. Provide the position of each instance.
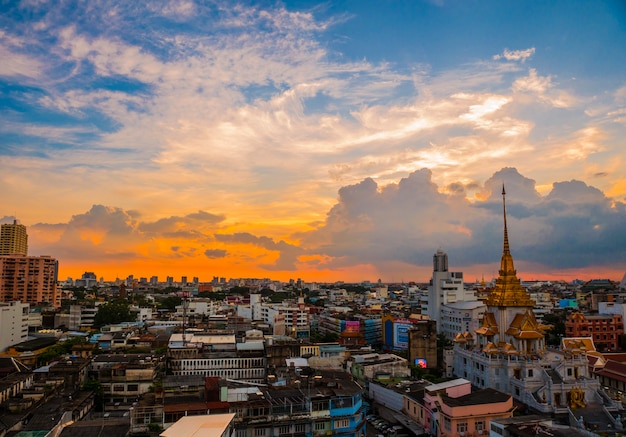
(184, 317)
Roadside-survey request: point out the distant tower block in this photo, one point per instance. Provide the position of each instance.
(13, 239)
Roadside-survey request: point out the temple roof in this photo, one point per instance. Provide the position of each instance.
(525, 326)
(489, 326)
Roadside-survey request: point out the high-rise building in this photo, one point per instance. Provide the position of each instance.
(445, 288)
(13, 323)
(13, 239)
(29, 279)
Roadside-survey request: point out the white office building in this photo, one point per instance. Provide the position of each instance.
(445, 288)
(13, 323)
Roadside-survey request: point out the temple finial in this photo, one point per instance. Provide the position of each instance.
(506, 233)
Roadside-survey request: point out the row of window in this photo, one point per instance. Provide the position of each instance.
(222, 363)
(301, 428)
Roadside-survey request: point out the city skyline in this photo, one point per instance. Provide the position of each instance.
(325, 141)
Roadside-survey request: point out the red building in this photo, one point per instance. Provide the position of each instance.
(605, 330)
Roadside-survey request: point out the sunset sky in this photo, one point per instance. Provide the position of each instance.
(336, 140)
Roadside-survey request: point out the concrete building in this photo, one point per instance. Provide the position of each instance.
(29, 279)
(87, 280)
(284, 318)
(423, 345)
(82, 317)
(14, 320)
(472, 413)
(217, 354)
(13, 239)
(445, 288)
(368, 367)
(324, 403)
(369, 326)
(124, 377)
(605, 329)
(461, 317)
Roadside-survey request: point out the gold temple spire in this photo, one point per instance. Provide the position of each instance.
(508, 290)
(506, 264)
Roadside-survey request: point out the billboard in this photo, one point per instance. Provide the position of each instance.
(421, 362)
(352, 326)
(401, 335)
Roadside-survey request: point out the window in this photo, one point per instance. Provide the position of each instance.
(299, 427)
(133, 387)
(320, 426)
(461, 427)
(530, 373)
(284, 429)
(118, 387)
(446, 423)
(342, 423)
(480, 426)
(258, 432)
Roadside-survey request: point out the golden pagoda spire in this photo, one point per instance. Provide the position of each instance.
(508, 291)
(506, 264)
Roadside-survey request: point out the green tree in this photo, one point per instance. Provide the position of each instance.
(239, 290)
(96, 387)
(170, 302)
(557, 321)
(116, 311)
(58, 350)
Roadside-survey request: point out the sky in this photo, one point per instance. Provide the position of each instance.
(341, 140)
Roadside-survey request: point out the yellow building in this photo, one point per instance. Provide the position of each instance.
(13, 239)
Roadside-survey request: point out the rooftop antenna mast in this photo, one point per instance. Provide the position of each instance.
(184, 302)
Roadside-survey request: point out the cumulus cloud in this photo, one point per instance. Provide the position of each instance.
(409, 221)
(515, 55)
(392, 229)
(288, 253)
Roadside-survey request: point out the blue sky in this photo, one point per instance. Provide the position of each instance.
(327, 140)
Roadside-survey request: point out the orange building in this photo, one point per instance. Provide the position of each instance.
(29, 279)
(452, 409)
(605, 330)
(469, 415)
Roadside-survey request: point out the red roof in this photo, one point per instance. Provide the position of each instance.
(613, 370)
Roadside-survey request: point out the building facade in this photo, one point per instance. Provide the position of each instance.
(29, 279)
(423, 345)
(14, 317)
(13, 239)
(330, 403)
(445, 288)
(217, 355)
(605, 330)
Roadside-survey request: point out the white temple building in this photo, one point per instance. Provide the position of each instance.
(508, 353)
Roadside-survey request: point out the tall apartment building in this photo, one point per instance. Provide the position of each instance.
(13, 239)
(29, 279)
(13, 323)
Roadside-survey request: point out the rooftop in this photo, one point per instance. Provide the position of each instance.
(212, 425)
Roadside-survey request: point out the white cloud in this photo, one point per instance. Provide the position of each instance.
(20, 64)
(515, 55)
